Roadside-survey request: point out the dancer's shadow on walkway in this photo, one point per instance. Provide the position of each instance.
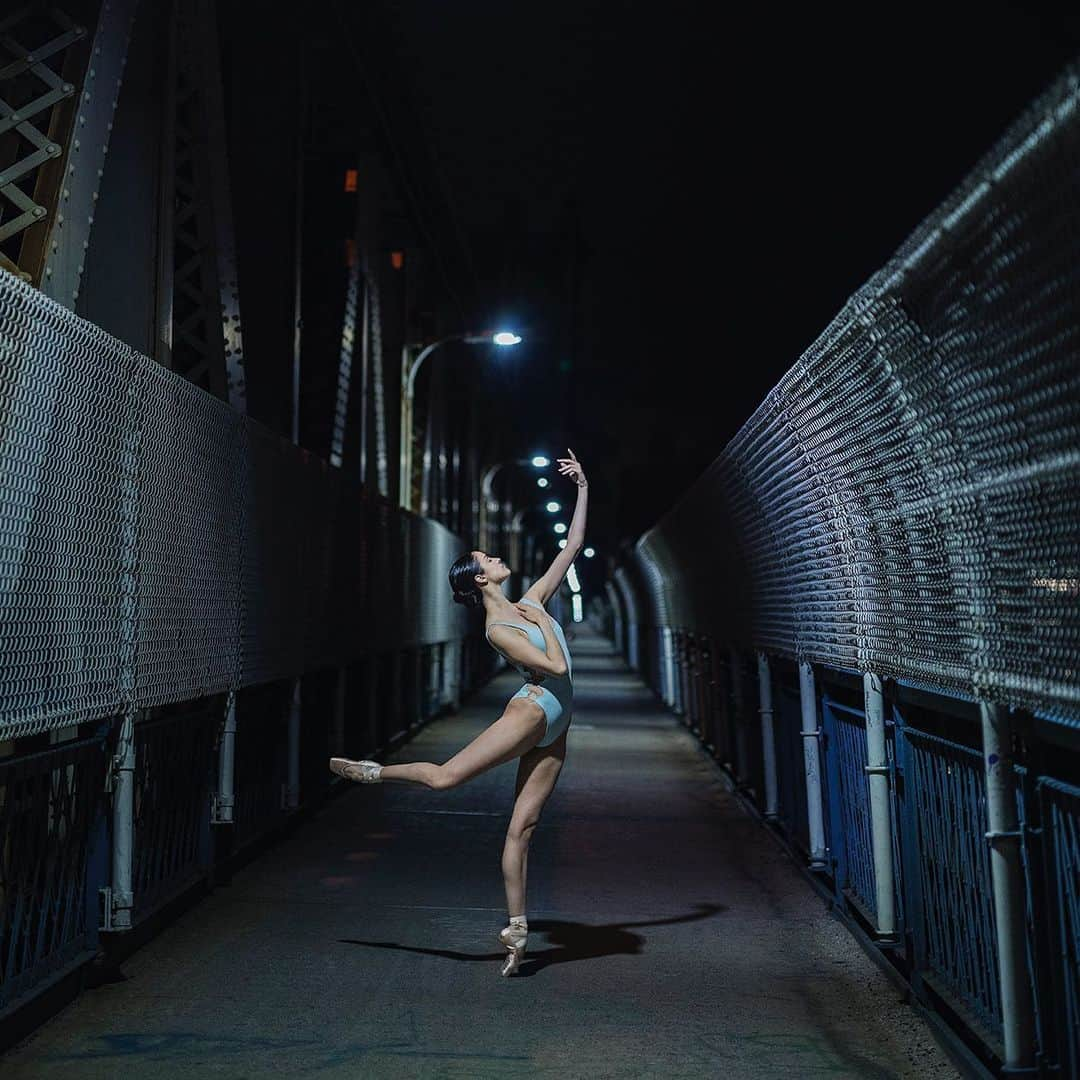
(568, 940)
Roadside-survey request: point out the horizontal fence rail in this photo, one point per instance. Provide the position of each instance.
(893, 538)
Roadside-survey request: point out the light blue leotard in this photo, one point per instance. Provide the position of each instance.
(556, 691)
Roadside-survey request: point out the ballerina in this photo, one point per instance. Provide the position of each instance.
(535, 720)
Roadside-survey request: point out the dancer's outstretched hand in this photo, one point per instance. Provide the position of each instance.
(572, 467)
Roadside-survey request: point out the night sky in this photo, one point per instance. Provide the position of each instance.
(675, 205)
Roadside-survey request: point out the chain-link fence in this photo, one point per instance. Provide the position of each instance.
(157, 546)
(896, 533)
(907, 498)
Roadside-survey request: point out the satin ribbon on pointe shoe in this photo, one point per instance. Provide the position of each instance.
(514, 939)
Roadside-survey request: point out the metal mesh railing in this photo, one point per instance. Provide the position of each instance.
(956, 906)
(907, 498)
(157, 546)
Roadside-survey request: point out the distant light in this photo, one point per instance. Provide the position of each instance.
(572, 578)
(553, 507)
(589, 552)
(397, 259)
(577, 607)
(562, 543)
(505, 337)
(560, 528)
(1070, 586)
(541, 462)
(350, 179)
(542, 481)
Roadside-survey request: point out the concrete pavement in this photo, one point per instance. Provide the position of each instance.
(670, 935)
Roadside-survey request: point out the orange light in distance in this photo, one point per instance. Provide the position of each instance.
(350, 179)
(397, 259)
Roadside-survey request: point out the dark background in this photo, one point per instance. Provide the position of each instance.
(673, 200)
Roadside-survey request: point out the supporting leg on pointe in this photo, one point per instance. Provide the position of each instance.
(537, 773)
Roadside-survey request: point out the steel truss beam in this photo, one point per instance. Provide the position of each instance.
(207, 346)
(58, 94)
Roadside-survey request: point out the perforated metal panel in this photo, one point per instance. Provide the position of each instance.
(907, 498)
(157, 546)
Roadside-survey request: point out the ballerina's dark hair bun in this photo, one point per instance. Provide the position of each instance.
(463, 580)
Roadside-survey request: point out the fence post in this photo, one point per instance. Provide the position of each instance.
(1007, 883)
(768, 744)
(221, 809)
(338, 738)
(742, 754)
(877, 774)
(668, 659)
(121, 899)
(292, 789)
(812, 763)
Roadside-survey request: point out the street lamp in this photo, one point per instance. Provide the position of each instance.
(516, 553)
(502, 338)
(538, 461)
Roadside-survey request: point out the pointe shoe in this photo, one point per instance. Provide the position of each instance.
(514, 939)
(363, 772)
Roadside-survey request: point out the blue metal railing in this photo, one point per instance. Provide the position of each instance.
(1060, 806)
(849, 817)
(950, 899)
(53, 859)
(945, 940)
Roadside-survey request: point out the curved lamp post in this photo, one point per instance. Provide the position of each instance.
(538, 461)
(409, 368)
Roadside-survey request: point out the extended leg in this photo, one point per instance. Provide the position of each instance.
(516, 731)
(537, 773)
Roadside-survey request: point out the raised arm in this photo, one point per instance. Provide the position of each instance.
(547, 585)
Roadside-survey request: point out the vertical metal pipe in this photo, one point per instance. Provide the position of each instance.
(405, 435)
(668, 685)
(298, 240)
(365, 359)
(812, 763)
(292, 790)
(225, 799)
(877, 770)
(338, 736)
(742, 756)
(123, 823)
(768, 744)
(163, 328)
(1007, 882)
